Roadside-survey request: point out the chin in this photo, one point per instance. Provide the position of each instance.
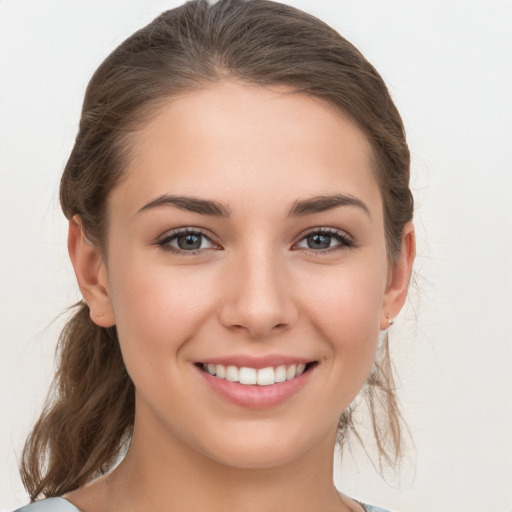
(266, 448)
(254, 456)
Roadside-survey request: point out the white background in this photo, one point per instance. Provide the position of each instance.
(448, 65)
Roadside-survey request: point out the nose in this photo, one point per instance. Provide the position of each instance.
(257, 296)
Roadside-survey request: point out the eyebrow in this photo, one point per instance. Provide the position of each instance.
(324, 203)
(299, 208)
(192, 204)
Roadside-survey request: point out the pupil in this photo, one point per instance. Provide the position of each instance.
(319, 241)
(189, 242)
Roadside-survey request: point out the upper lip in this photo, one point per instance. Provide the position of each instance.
(256, 362)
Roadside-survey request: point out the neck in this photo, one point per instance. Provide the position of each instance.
(160, 473)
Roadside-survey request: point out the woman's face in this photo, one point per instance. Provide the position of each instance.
(247, 239)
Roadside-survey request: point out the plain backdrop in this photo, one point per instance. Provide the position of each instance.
(448, 65)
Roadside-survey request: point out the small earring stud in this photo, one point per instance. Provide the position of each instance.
(390, 320)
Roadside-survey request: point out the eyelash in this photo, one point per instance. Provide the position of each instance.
(345, 241)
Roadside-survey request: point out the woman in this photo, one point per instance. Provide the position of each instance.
(240, 229)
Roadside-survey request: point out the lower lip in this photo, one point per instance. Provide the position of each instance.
(253, 396)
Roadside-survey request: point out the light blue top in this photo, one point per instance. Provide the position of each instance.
(371, 508)
(61, 505)
(49, 505)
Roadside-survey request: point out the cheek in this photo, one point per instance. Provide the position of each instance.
(347, 297)
(345, 308)
(158, 309)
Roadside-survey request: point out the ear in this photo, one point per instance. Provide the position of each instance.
(91, 274)
(399, 276)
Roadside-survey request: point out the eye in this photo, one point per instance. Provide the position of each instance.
(186, 241)
(325, 240)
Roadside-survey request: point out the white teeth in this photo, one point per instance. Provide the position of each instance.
(266, 376)
(247, 376)
(232, 373)
(291, 372)
(220, 371)
(251, 376)
(280, 373)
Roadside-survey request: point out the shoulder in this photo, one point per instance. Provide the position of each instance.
(49, 505)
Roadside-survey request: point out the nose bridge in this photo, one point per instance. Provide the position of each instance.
(258, 298)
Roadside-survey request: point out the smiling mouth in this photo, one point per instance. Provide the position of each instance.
(259, 377)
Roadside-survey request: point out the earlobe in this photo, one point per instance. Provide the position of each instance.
(398, 283)
(91, 274)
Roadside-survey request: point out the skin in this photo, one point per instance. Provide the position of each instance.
(255, 287)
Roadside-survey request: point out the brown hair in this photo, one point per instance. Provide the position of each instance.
(91, 409)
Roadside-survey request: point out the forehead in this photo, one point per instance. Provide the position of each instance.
(232, 140)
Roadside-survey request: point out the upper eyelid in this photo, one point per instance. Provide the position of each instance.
(208, 234)
(325, 229)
